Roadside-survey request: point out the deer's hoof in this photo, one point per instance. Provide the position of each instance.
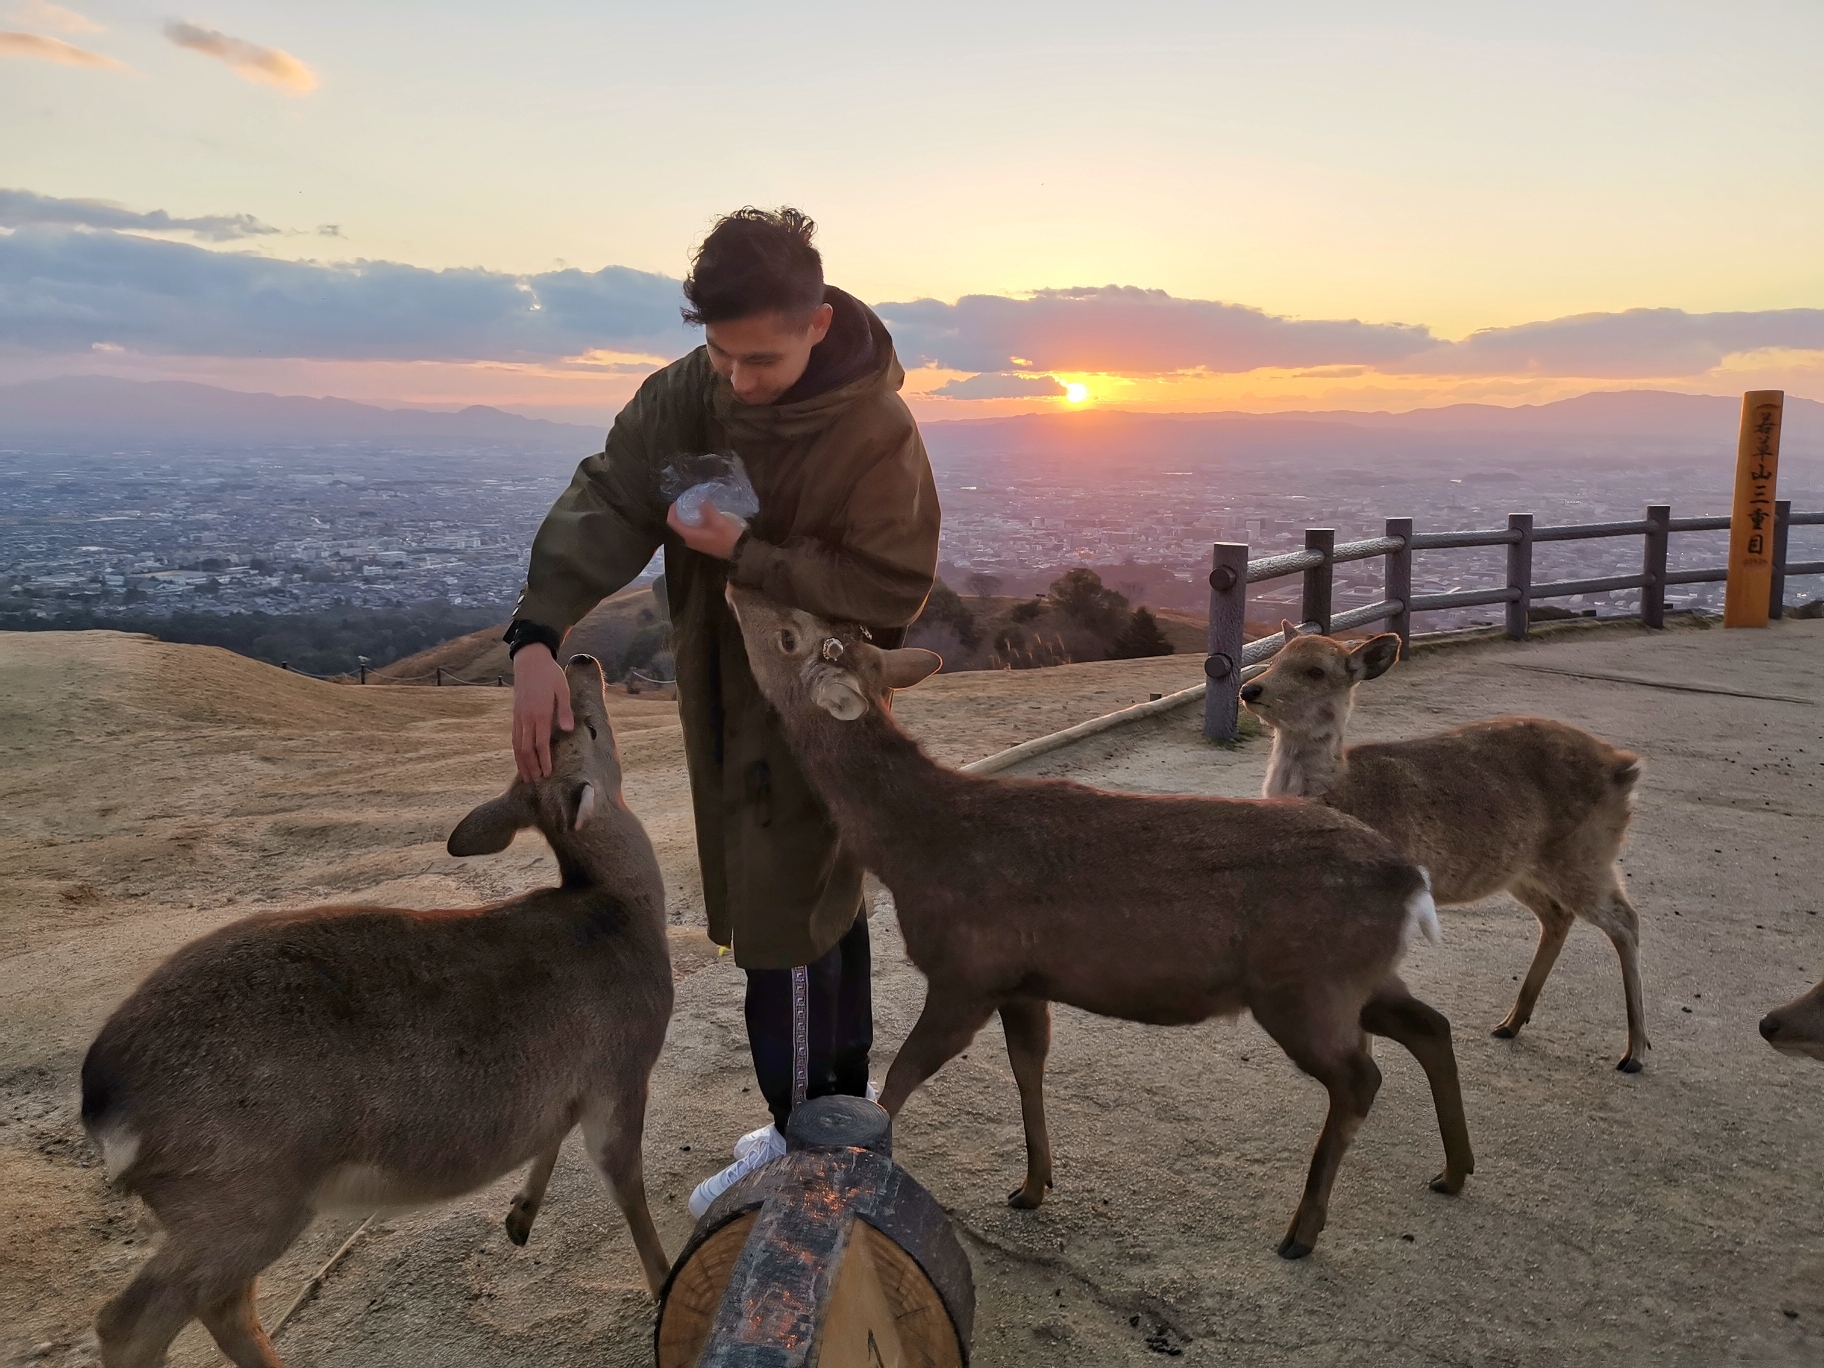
(518, 1224)
(1629, 1065)
(1019, 1201)
(1290, 1248)
(1448, 1184)
(1505, 1032)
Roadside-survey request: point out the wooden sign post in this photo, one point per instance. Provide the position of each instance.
(1751, 524)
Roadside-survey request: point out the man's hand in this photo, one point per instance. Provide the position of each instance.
(715, 536)
(539, 691)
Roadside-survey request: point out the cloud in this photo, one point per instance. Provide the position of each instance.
(21, 207)
(1119, 328)
(74, 273)
(65, 290)
(1637, 344)
(32, 45)
(40, 15)
(1001, 385)
(249, 61)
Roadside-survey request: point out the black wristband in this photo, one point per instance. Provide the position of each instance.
(734, 555)
(521, 633)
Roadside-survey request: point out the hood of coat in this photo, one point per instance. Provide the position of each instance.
(760, 422)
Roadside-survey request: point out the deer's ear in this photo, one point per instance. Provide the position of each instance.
(839, 694)
(1289, 628)
(491, 827)
(908, 665)
(1375, 656)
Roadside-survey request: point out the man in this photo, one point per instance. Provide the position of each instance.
(800, 381)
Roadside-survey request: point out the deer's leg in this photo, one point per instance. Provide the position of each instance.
(1336, 1055)
(944, 1029)
(210, 1257)
(235, 1323)
(612, 1136)
(1621, 923)
(1423, 1030)
(136, 1327)
(1027, 1023)
(531, 1197)
(1554, 925)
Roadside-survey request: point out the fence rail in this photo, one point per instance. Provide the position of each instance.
(1232, 660)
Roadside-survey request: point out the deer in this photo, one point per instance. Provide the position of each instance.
(1798, 1027)
(349, 1059)
(1522, 805)
(1015, 893)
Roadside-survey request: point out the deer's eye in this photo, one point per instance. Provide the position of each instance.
(1315, 672)
(591, 727)
(788, 641)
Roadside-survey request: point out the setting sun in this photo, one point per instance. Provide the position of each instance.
(1075, 393)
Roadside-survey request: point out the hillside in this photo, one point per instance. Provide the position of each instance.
(481, 657)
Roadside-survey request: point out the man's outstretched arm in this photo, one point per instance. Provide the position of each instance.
(600, 533)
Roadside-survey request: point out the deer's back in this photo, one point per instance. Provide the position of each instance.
(1161, 909)
(362, 1036)
(1481, 805)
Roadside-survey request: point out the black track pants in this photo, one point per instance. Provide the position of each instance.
(811, 1028)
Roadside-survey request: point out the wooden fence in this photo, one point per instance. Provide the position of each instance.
(1232, 661)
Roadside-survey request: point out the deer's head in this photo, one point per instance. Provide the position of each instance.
(1798, 1027)
(804, 664)
(585, 772)
(1311, 675)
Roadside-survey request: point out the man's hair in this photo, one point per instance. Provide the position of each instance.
(755, 261)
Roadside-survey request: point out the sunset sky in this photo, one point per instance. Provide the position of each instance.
(1169, 206)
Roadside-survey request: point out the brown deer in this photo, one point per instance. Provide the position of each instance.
(1013, 894)
(348, 1059)
(1521, 805)
(1798, 1027)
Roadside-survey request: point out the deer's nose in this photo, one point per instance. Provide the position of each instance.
(1770, 1026)
(1251, 693)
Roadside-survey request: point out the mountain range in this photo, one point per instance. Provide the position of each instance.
(1630, 424)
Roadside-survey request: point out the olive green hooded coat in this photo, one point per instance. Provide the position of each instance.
(847, 529)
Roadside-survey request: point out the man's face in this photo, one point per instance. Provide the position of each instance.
(763, 356)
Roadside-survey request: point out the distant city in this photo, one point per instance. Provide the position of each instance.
(376, 526)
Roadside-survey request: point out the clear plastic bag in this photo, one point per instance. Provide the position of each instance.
(716, 477)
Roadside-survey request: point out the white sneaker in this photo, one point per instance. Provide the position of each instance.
(766, 1135)
(770, 1146)
(873, 1091)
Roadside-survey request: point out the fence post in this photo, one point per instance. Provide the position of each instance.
(440, 676)
(1316, 607)
(1398, 584)
(1782, 525)
(364, 674)
(1653, 565)
(1228, 617)
(1520, 573)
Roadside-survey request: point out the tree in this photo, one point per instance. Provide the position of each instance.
(1084, 599)
(1140, 637)
(946, 606)
(1029, 610)
(984, 585)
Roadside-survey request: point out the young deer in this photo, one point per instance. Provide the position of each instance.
(1798, 1027)
(1517, 804)
(358, 1058)
(1016, 893)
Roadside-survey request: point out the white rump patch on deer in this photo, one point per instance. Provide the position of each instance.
(119, 1150)
(1422, 915)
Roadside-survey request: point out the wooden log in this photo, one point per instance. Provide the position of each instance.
(830, 1257)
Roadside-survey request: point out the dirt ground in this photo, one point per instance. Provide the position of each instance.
(151, 792)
